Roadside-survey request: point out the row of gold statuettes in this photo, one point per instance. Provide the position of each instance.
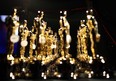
(48, 51)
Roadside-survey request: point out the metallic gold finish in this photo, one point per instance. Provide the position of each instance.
(82, 42)
(13, 37)
(48, 50)
(92, 26)
(24, 34)
(33, 46)
(64, 44)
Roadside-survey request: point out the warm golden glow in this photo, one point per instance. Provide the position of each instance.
(51, 49)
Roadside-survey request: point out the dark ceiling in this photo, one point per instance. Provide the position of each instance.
(104, 11)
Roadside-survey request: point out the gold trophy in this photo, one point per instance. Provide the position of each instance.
(14, 38)
(82, 42)
(24, 61)
(65, 58)
(84, 55)
(92, 26)
(40, 24)
(64, 44)
(32, 49)
(83, 59)
(13, 31)
(24, 34)
(51, 55)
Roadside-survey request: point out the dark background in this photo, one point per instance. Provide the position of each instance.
(104, 12)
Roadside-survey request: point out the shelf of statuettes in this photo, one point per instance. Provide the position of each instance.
(48, 52)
